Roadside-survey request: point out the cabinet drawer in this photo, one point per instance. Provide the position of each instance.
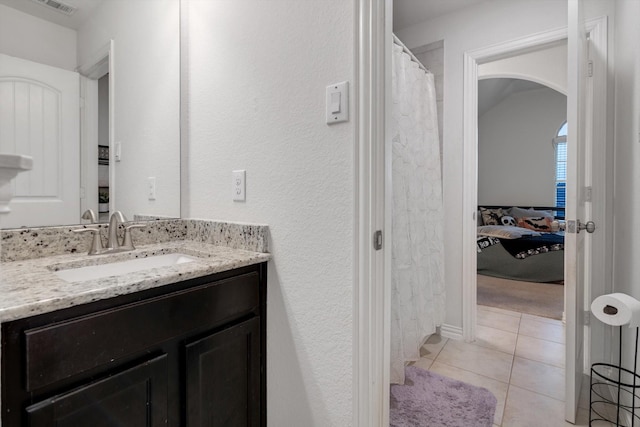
(67, 348)
(135, 397)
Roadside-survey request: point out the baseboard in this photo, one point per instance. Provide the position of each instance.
(453, 332)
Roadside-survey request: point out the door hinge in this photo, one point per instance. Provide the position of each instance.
(588, 193)
(587, 318)
(590, 68)
(377, 240)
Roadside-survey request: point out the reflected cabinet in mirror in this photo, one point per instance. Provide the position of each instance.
(91, 90)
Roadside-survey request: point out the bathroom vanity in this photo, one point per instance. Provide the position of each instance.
(182, 345)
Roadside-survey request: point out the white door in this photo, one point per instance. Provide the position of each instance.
(577, 241)
(39, 117)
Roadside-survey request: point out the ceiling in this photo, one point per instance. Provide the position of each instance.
(410, 12)
(85, 7)
(493, 91)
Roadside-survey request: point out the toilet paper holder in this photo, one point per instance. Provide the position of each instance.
(610, 310)
(614, 390)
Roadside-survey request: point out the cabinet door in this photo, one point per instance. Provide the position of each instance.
(134, 398)
(223, 378)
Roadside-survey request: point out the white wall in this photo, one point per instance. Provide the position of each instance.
(27, 37)
(516, 160)
(147, 98)
(627, 157)
(545, 66)
(258, 72)
(478, 26)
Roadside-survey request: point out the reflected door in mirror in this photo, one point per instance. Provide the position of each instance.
(39, 117)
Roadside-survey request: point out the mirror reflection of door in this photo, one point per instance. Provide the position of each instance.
(39, 118)
(103, 148)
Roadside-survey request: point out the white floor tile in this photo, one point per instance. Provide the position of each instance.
(525, 408)
(480, 360)
(496, 339)
(539, 350)
(538, 377)
(533, 327)
(542, 319)
(422, 363)
(519, 358)
(500, 321)
(500, 310)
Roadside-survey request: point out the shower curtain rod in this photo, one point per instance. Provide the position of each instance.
(406, 50)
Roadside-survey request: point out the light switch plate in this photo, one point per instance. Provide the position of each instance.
(337, 103)
(238, 185)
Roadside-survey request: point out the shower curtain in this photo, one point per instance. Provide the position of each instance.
(417, 270)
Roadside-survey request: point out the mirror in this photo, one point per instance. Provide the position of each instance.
(118, 63)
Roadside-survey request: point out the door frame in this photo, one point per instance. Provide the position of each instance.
(597, 28)
(101, 63)
(372, 277)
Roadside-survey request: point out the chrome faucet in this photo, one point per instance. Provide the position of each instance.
(90, 215)
(112, 242)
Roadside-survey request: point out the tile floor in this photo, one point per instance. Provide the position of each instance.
(520, 358)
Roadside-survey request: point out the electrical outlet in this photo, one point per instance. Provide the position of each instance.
(151, 187)
(238, 186)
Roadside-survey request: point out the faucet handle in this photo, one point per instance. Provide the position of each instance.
(90, 215)
(127, 244)
(96, 243)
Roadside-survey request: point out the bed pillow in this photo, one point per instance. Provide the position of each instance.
(491, 216)
(521, 213)
(509, 220)
(539, 223)
(505, 232)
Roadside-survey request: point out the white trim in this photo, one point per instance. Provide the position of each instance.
(103, 62)
(518, 46)
(595, 336)
(98, 65)
(371, 295)
(452, 332)
(112, 127)
(88, 144)
(470, 199)
(185, 207)
(470, 158)
(522, 76)
(602, 242)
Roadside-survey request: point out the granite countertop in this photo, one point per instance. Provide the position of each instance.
(30, 287)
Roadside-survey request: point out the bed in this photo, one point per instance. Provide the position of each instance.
(516, 244)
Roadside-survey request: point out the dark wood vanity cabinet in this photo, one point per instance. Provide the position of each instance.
(189, 354)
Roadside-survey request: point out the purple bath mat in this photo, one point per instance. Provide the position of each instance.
(430, 400)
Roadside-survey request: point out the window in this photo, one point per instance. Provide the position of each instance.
(560, 148)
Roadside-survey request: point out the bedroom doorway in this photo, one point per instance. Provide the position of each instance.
(583, 342)
(520, 261)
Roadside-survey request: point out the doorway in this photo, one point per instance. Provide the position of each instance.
(103, 148)
(522, 128)
(584, 344)
(97, 147)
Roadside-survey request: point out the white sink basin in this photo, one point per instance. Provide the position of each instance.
(119, 268)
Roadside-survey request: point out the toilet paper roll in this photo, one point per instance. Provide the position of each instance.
(617, 309)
